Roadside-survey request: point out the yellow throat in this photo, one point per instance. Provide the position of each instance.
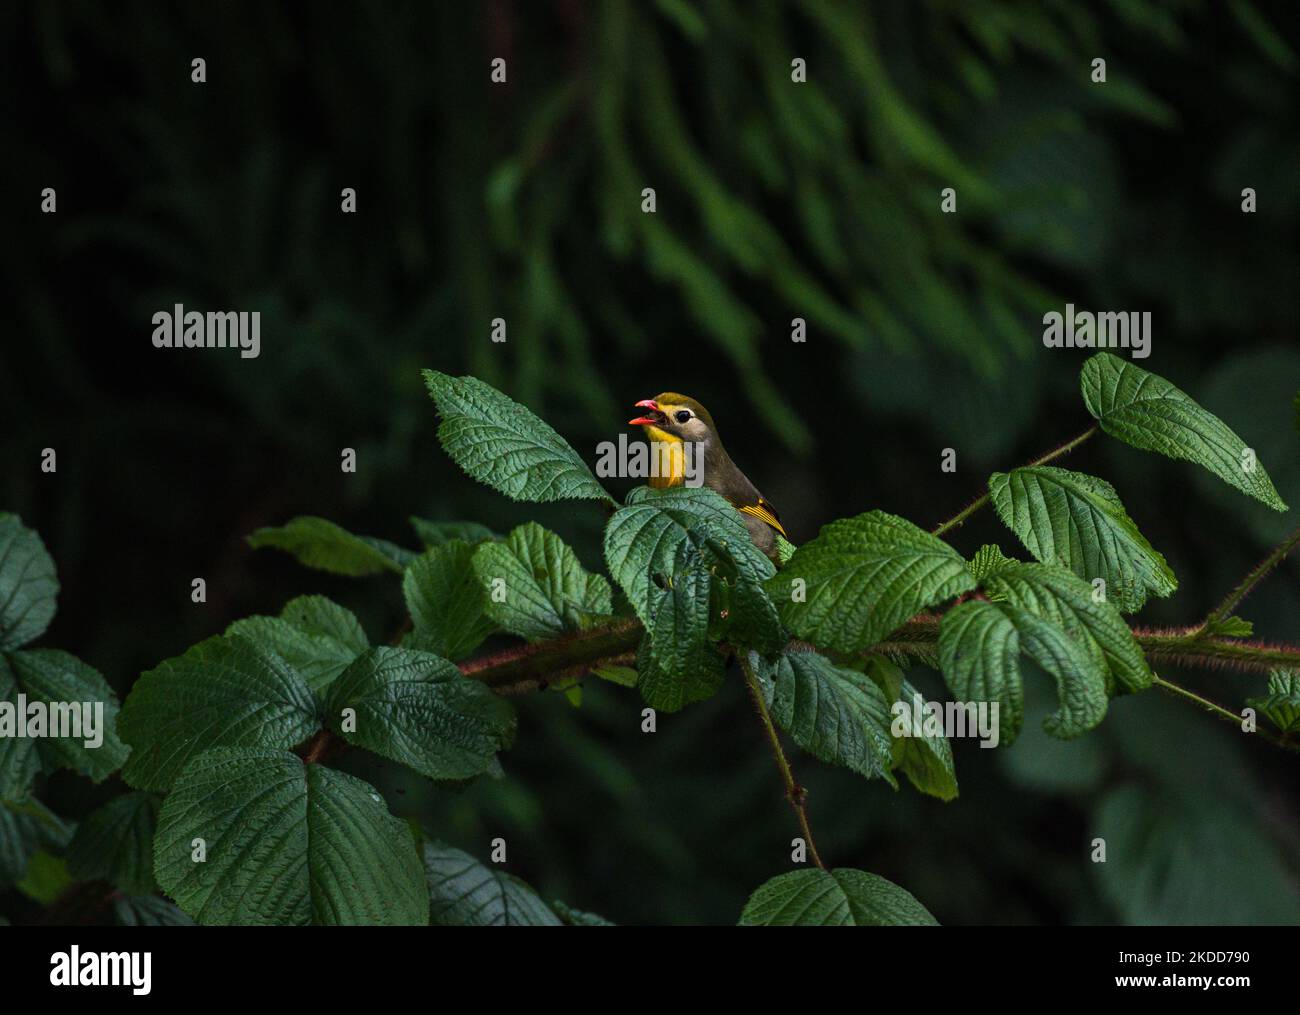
(670, 457)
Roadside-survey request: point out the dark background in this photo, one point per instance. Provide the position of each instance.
(775, 200)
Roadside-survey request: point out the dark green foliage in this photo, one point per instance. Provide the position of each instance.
(838, 898)
(213, 727)
(819, 200)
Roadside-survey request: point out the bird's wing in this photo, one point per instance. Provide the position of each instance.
(764, 512)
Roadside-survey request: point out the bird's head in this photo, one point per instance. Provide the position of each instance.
(675, 417)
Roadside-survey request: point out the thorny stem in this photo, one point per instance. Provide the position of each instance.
(983, 499)
(1193, 650)
(794, 791)
(534, 667)
(1174, 647)
(1205, 703)
(1219, 712)
(524, 668)
(1244, 587)
(961, 515)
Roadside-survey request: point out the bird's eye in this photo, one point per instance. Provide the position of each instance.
(682, 415)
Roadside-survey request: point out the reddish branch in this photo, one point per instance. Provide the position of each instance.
(535, 666)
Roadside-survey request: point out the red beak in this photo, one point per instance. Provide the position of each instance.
(645, 403)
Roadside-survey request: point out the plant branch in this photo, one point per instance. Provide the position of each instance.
(1191, 649)
(532, 667)
(1066, 448)
(1216, 710)
(1253, 578)
(983, 499)
(1171, 646)
(961, 515)
(322, 746)
(524, 668)
(1219, 712)
(794, 791)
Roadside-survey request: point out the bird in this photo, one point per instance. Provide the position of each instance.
(674, 420)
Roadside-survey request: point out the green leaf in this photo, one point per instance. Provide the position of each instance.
(224, 692)
(320, 616)
(433, 534)
(115, 844)
(321, 544)
(499, 442)
(1281, 706)
(1146, 411)
(315, 636)
(578, 918)
(1254, 386)
(46, 879)
(924, 757)
(624, 676)
(466, 893)
(28, 585)
(678, 554)
(979, 655)
(536, 587)
(1080, 688)
(446, 601)
(840, 898)
(149, 911)
(864, 577)
(834, 713)
(1230, 627)
(1067, 602)
(979, 648)
(286, 843)
(421, 711)
(19, 761)
(677, 663)
(742, 614)
(988, 560)
(25, 829)
(64, 684)
(644, 537)
(671, 690)
(784, 549)
(1077, 522)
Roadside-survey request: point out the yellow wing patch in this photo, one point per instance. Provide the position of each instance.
(763, 512)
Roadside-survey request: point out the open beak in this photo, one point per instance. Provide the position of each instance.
(655, 417)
